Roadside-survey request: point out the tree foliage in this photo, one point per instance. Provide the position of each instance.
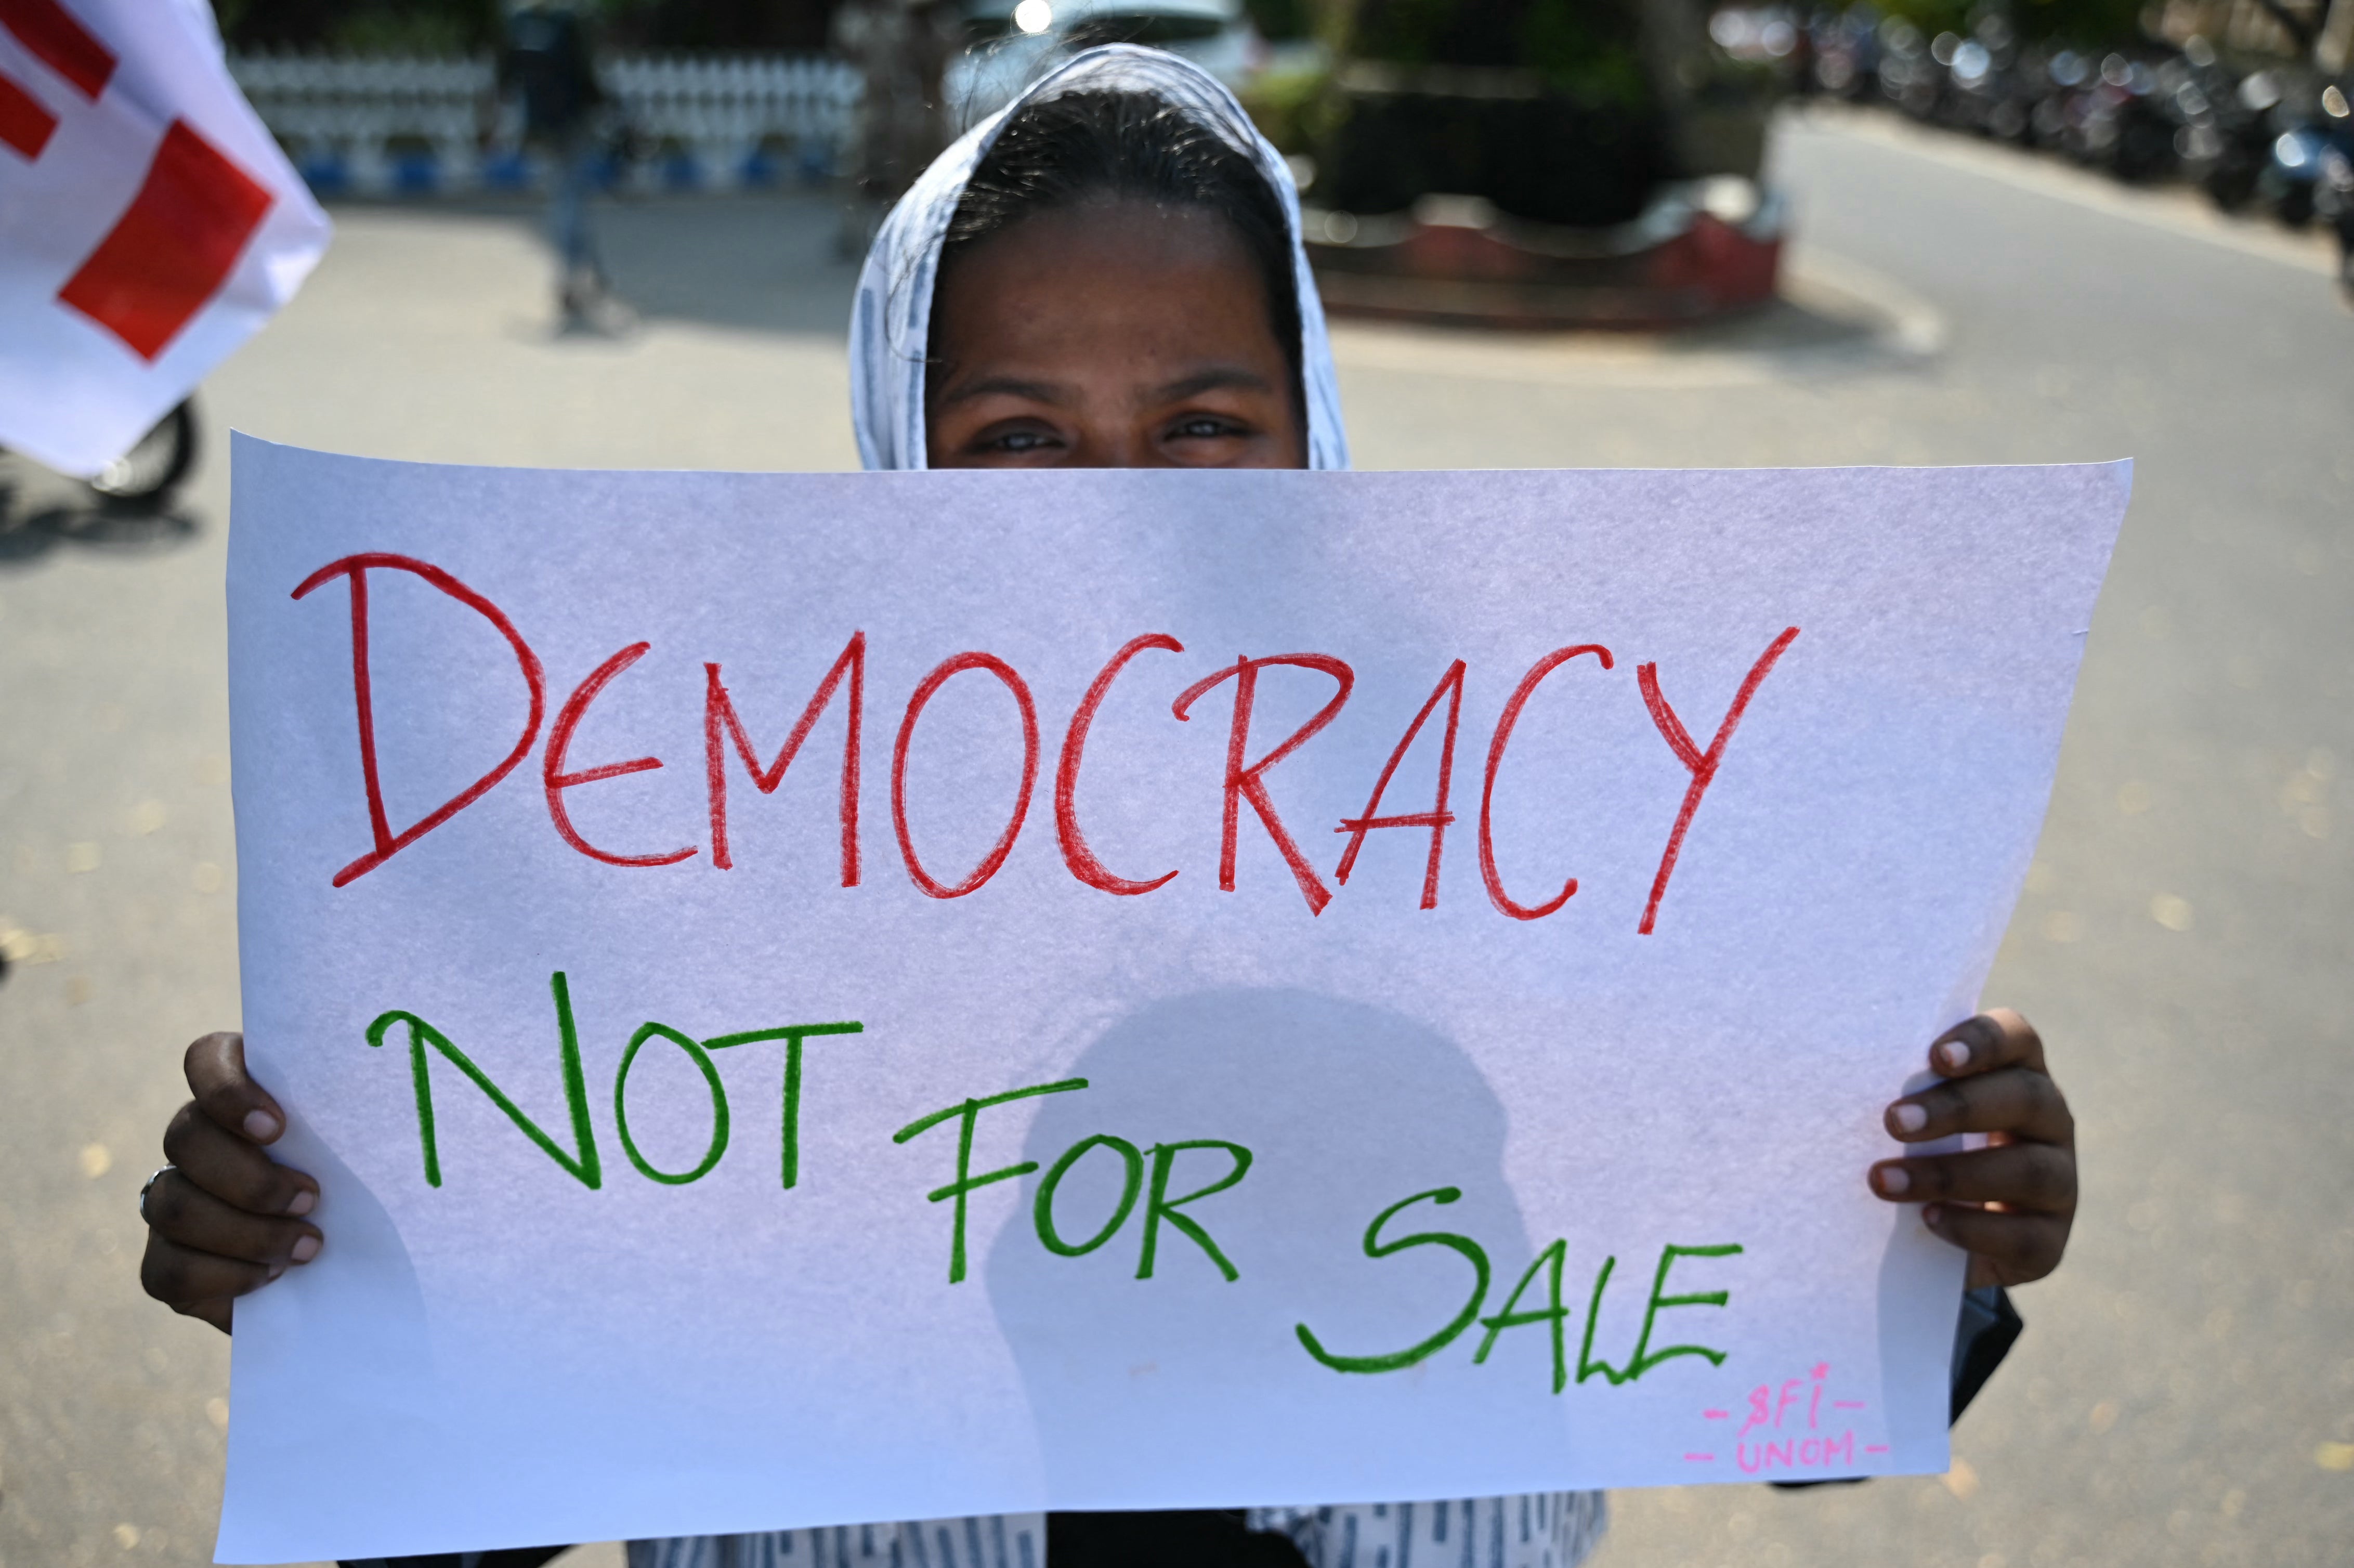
(2084, 24)
(1588, 49)
(446, 26)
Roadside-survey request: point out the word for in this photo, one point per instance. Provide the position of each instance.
(1770, 1407)
(1159, 1206)
(1244, 782)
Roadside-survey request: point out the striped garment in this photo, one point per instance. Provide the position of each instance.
(1546, 1529)
(1540, 1530)
(996, 1540)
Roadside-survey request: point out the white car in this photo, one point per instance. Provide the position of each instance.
(1015, 41)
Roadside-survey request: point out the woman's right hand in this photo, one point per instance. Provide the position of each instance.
(223, 1218)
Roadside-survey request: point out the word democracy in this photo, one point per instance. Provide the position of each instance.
(845, 681)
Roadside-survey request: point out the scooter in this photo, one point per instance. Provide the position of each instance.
(157, 463)
(2292, 182)
(2230, 143)
(2333, 204)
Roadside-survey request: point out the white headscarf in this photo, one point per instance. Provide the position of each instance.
(890, 324)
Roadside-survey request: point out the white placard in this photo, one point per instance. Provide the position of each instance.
(1361, 1107)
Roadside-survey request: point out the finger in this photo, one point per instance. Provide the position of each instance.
(232, 1169)
(2040, 1176)
(178, 1211)
(1996, 1038)
(2019, 1101)
(217, 1076)
(182, 1278)
(2013, 1248)
(217, 1311)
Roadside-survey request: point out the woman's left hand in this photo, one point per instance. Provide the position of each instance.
(2009, 1204)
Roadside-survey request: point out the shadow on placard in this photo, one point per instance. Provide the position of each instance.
(362, 1319)
(1346, 1109)
(1918, 1285)
(41, 514)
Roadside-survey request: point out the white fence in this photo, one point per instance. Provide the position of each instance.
(386, 125)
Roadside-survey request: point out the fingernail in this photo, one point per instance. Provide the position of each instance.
(261, 1126)
(276, 1269)
(1954, 1055)
(1909, 1117)
(303, 1202)
(306, 1248)
(1894, 1180)
(1933, 1214)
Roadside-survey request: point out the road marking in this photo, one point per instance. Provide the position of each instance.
(1905, 324)
(2172, 209)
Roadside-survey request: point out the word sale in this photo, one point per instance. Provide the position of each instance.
(729, 744)
(1148, 1176)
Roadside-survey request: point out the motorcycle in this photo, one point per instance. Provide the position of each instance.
(2333, 185)
(2227, 139)
(2305, 162)
(157, 461)
(1846, 53)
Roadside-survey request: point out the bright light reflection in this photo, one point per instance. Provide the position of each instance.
(1033, 16)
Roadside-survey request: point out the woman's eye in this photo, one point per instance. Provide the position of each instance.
(1020, 441)
(1203, 427)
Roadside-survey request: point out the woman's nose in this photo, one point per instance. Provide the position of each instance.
(1115, 446)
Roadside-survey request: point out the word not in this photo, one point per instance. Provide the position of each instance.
(1555, 1315)
(582, 1161)
(1245, 783)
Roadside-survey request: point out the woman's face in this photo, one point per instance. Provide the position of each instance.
(1109, 334)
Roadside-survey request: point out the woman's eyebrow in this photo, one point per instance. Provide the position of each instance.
(1007, 385)
(1212, 380)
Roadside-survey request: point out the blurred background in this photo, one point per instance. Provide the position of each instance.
(1554, 233)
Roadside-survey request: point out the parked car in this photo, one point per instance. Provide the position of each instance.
(1014, 40)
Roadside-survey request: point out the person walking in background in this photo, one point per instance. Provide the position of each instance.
(901, 49)
(549, 62)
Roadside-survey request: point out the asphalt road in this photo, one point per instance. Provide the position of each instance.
(2185, 1391)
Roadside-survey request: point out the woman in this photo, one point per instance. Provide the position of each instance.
(1109, 275)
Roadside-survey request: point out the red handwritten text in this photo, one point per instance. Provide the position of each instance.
(1244, 782)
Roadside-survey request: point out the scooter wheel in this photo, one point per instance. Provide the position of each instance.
(155, 462)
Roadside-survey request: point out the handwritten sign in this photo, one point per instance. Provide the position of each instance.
(818, 998)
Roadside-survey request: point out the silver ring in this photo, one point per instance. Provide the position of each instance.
(146, 1186)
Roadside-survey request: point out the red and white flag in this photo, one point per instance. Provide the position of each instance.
(149, 224)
